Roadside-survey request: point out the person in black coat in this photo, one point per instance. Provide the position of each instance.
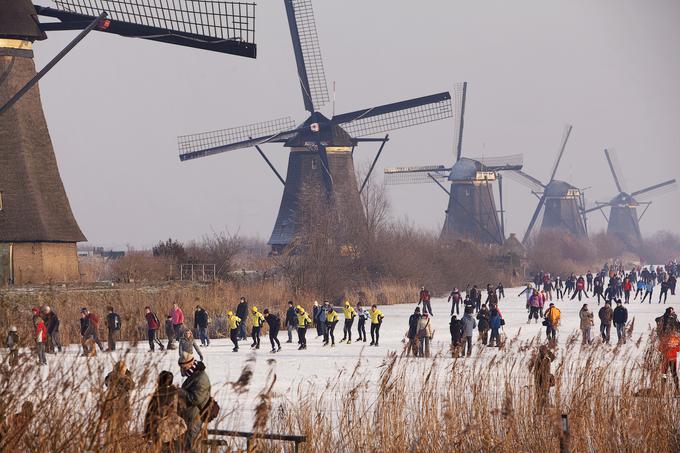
(242, 312)
(620, 320)
(412, 332)
(201, 325)
(456, 330)
(113, 327)
(274, 323)
(52, 325)
(483, 323)
(291, 321)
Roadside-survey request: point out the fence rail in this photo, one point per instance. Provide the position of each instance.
(218, 434)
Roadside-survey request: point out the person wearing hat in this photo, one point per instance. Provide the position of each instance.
(291, 321)
(350, 314)
(195, 393)
(163, 426)
(606, 314)
(234, 323)
(586, 324)
(424, 335)
(424, 298)
(315, 318)
(376, 321)
(258, 320)
(362, 315)
(52, 324)
(188, 344)
(455, 298)
(274, 323)
(620, 318)
(331, 321)
(12, 344)
(303, 321)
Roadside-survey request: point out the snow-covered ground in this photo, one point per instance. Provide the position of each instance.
(320, 365)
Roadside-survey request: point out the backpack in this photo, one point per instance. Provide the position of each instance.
(210, 411)
(116, 321)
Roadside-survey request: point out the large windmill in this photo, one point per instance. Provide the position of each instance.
(38, 232)
(471, 212)
(623, 221)
(561, 203)
(320, 164)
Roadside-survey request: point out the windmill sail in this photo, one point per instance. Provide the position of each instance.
(416, 175)
(656, 189)
(397, 115)
(307, 54)
(459, 95)
(227, 27)
(209, 143)
(613, 163)
(563, 146)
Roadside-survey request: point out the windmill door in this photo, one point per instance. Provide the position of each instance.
(5, 264)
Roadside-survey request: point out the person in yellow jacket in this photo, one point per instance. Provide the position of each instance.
(350, 314)
(376, 321)
(552, 319)
(258, 320)
(234, 322)
(331, 320)
(304, 321)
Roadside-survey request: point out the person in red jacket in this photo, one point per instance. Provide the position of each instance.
(580, 288)
(627, 288)
(152, 326)
(40, 338)
(425, 300)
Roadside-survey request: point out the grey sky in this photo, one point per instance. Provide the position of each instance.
(609, 67)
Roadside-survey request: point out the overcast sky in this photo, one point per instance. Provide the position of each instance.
(609, 67)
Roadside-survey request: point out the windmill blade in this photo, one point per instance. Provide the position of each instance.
(226, 27)
(307, 54)
(208, 143)
(599, 205)
(459, 95)
(565, 138)
(613, 161)
(396, 116)
(502, 163)
(525, 179)
(534, 217)
(656, 189)
(416, 175)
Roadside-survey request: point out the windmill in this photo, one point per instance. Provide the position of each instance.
(38, 232)
(623, 221)
(561, 203)
(320, 163)
(471, 212)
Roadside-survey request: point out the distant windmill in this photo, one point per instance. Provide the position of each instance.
(321, 156)
(623, 221)
(471, 212)
(38, 232)
(561, 203)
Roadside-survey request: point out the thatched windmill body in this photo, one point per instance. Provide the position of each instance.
(624, 221)
(471, 213)
(320, 163)
(561, 204)
(38, 232)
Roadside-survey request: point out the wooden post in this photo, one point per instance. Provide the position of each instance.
(565, 435)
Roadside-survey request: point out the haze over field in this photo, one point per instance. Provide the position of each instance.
(610, 68)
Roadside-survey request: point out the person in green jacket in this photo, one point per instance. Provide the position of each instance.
(195, 392)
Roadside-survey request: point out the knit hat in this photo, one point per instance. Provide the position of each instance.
(12, 328)
(47, 309)
(254, 309)
(186, 360)
(230, 313)
(347, 303)
(83, 310)
(36, 311)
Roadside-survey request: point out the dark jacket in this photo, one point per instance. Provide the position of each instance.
(200, 319)
(51, 322)
(274, 322)
(242, 310)
(113, 321)
(291, 317)
(195, 392)
(169, 329)
(84, 322)
(456, 329)
(620, 315)
(164, 402)
(606, 314)
(413, 325)
(483, 318)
